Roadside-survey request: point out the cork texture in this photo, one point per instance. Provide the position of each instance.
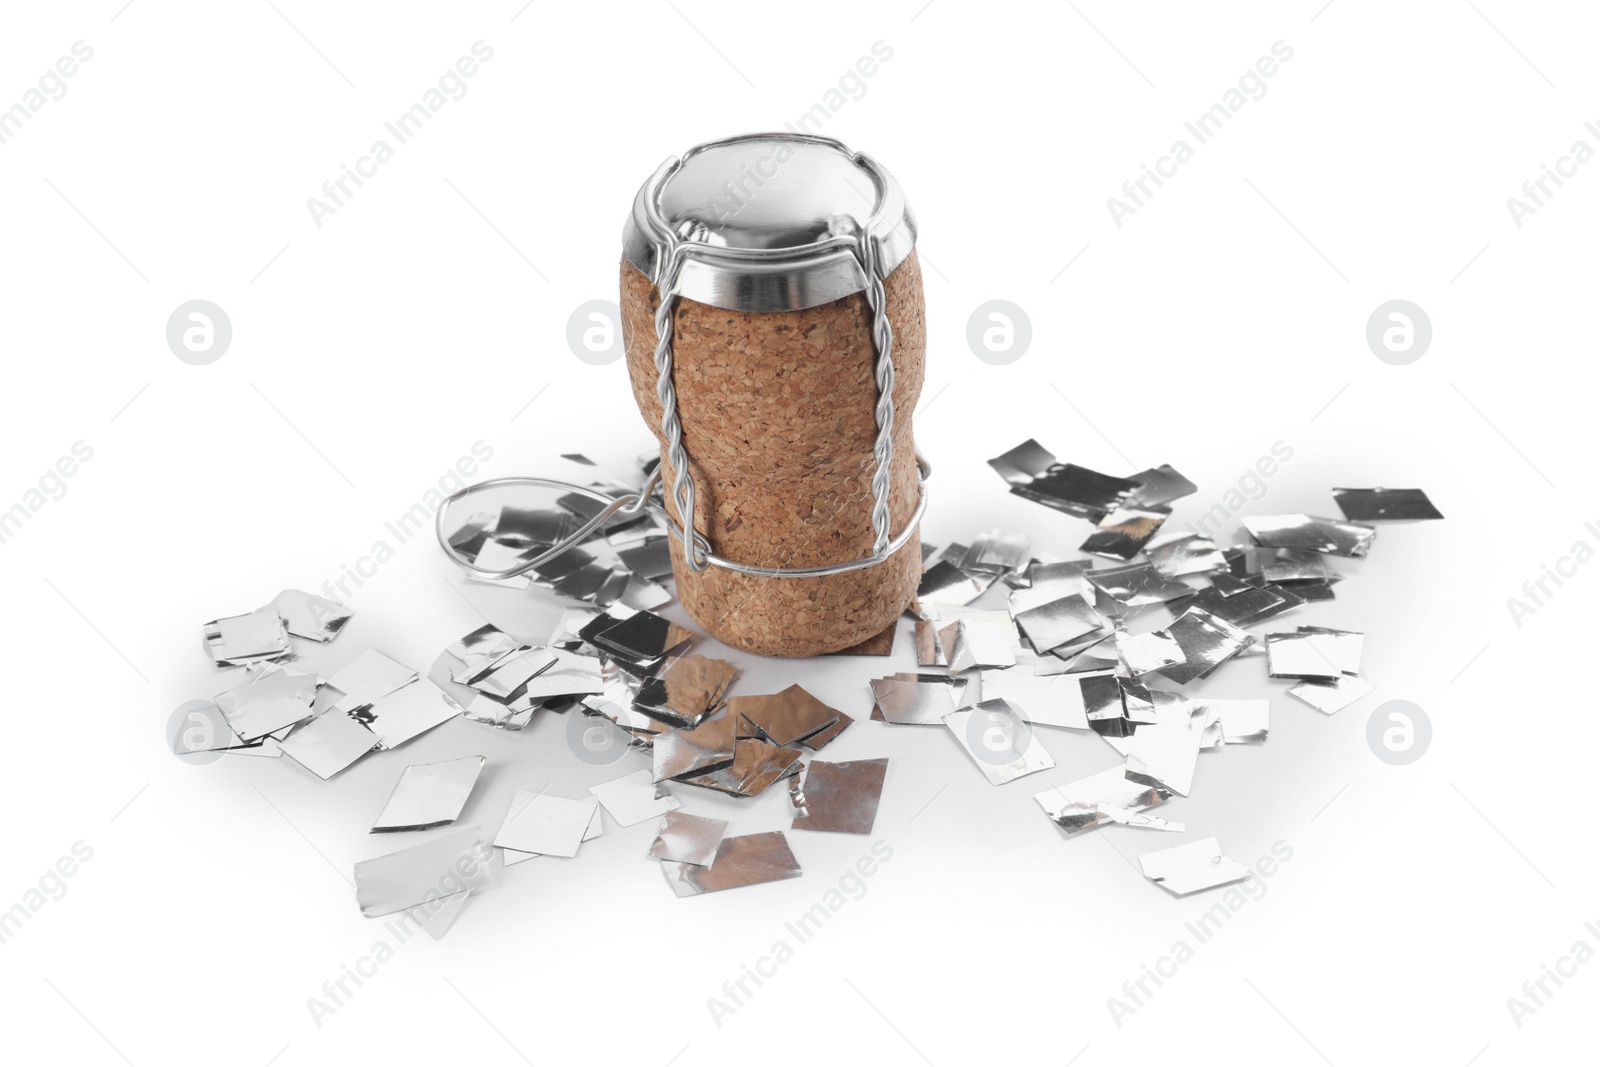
(778, 423)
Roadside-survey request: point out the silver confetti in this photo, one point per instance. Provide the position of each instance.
(633, 798)
(1385, 505)
(240, 640)
(753, 859)
(685, 838)
(1329, 697)
(997, 738)
(444, 866)
(1190, 868)
(545, 824)
(1311, 534)
(310, 616)
(428, 795)
(838, 797)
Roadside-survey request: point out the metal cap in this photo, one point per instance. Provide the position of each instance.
(767, 222)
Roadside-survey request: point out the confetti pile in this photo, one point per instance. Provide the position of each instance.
(1062, 653)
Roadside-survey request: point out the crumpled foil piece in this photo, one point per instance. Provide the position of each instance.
(1084, 804)
(783, 718)
(309, 616)
(685, 751)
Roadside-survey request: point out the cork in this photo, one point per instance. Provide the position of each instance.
(778, 424)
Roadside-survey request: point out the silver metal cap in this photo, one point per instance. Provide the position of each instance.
(766, 222)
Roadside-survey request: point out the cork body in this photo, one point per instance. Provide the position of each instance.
(778, 422)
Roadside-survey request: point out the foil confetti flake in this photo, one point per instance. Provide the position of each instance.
(693, 750)
(784, 718)
(1164, 753)
(688, 690)
(309, 616)
(1123, 533)
(1190, 868)
(643, 638)
(685, 838)
(912, 700)
(1158, 486)
(1385, 505)
(979, 639)
(429, 795)
(633, 798)
(1330, 536)
(411, 710)
(1240, 722)
(440, 867)
(753, 859)
(1246, 607)
(1147, 653)
(997, 737)
(838, 797)
(756, 765)
(1295, 565)
(816, 741)
(510, 857)
(945, 583)
(996, 553)
(1207, 642)
(1314, 652)
(1024, 463)
(1138, 585)
(368, 677)
(241, 640)
(478, 653)
(1182, 554)
(1088, 802)
(931, 648)
(545, 824)
(1043, 700)
(329, 744)
(271, 698)
(439, 914)
(1059, 620)
(1331, 696)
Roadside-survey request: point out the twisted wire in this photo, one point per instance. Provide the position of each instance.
(694, 550)
(883, 341)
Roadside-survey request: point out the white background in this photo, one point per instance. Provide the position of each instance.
(430, 312)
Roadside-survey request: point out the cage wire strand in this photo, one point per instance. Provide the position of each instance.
(695, 551)
(870, 252)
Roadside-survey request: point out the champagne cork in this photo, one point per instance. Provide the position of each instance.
(779, 404)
